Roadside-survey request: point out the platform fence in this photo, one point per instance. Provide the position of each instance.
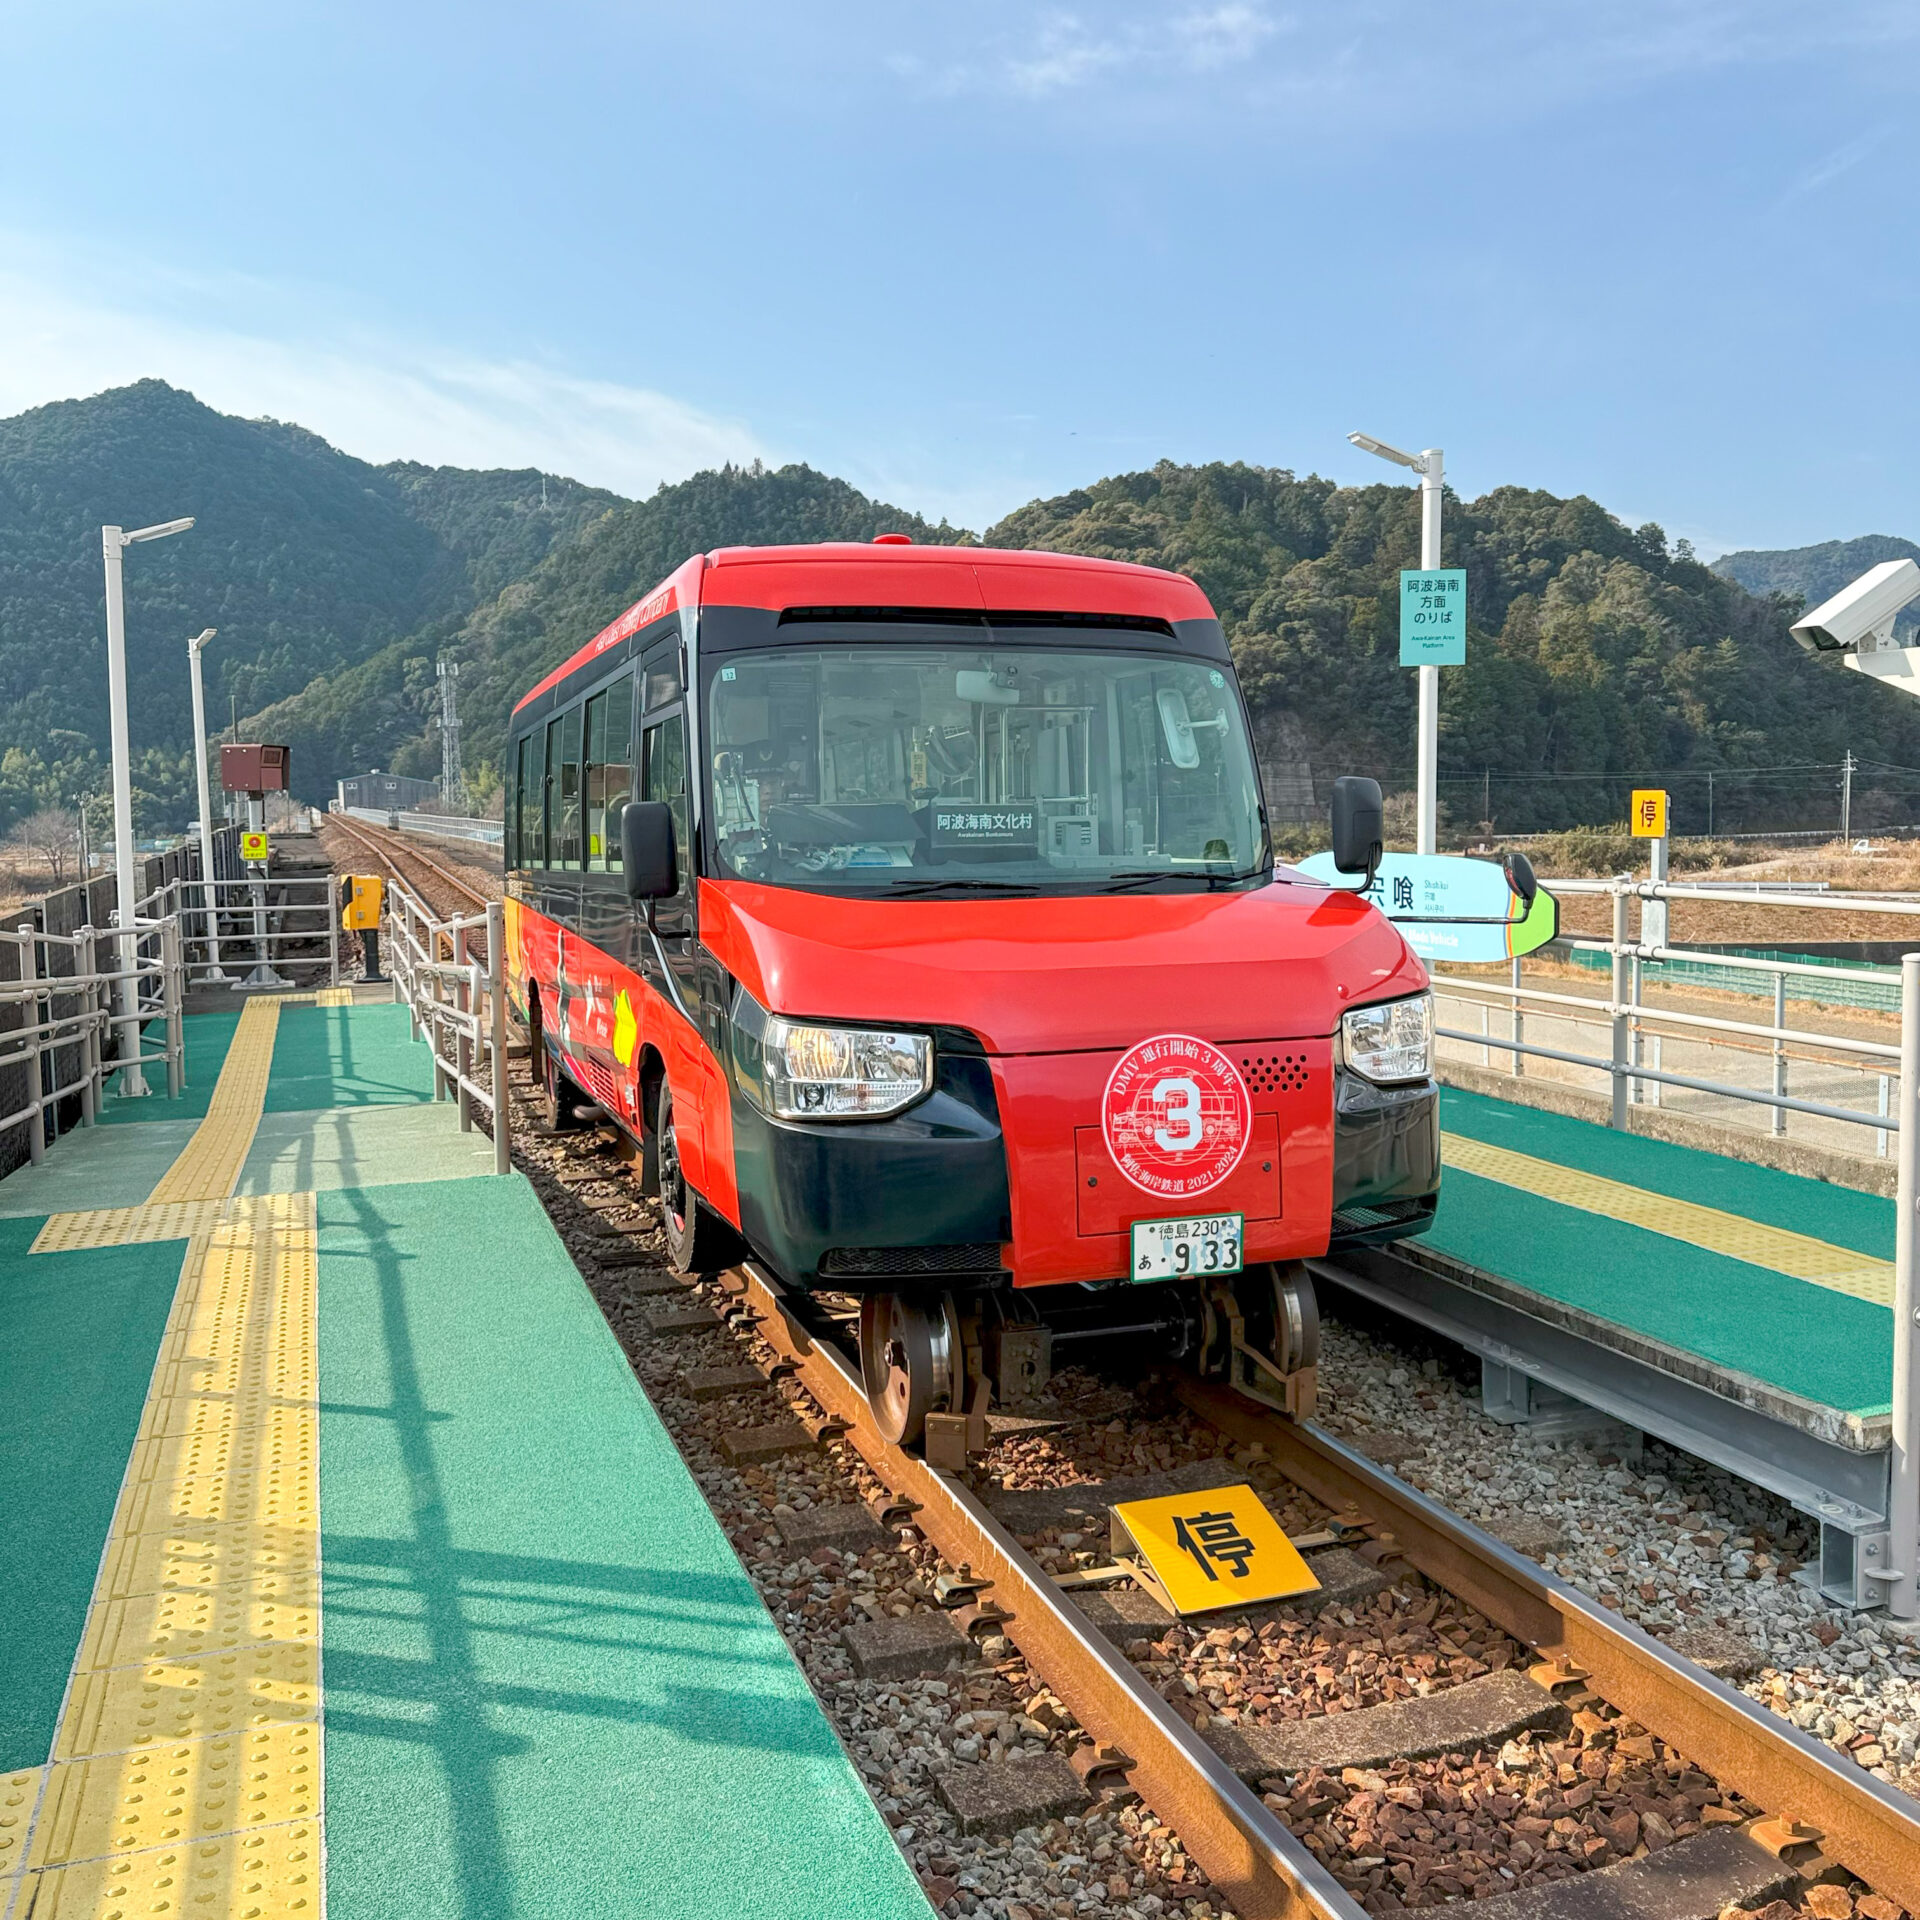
(1633, 1070)
(261, 931)
(451, 976)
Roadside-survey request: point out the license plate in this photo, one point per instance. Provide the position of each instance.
(1182, 1249)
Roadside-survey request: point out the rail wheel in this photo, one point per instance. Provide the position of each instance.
(1282, 1314)
(913, 1361)
(698, 1240)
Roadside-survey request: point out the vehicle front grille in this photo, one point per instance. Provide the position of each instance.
(1274, 1072)
(870, 1263)
(1383, 1220)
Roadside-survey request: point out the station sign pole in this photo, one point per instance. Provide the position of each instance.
(1651, 820)
(1433, 625)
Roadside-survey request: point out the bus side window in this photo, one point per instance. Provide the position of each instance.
(550, 799)
(666, 779)
(609, 772)
(661, 674)
(522, 810)
(563, 844)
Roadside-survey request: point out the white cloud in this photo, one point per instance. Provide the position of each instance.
(1222, 36)
(1066, 55)
(375, 396)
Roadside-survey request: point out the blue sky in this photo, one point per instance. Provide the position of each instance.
(1661, 254)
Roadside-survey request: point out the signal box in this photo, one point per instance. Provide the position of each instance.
(253, 769)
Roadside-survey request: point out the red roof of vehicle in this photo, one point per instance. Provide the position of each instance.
(848, 573)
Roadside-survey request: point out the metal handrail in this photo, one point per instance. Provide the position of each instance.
(457, 1001)
(1633, 1021)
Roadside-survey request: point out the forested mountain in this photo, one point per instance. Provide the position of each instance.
(374, 712)
(1817, 573)
(303, 557)
(1598, 653)
(1593, 648)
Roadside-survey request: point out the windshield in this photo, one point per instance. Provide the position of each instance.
(932, 767)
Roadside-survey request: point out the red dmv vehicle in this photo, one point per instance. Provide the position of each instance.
(914, 910)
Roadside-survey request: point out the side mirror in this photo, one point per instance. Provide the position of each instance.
(1520, 877)
(646, 849)
(1359, 827)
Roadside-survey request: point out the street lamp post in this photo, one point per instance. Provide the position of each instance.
(114, 542)
(199, 640)
(1431, 468)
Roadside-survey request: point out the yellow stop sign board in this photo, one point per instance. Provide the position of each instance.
(1221, 1548)
(253, 847)
(1649, 815)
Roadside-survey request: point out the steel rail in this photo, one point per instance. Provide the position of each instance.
(1870, 1828)
(391, 851)
(1249, 1854)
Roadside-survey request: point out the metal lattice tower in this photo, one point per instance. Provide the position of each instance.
(453, 782)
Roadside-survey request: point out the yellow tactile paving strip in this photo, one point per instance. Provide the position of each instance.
(187, 1769)
(1817, 1261)
(211, 1161)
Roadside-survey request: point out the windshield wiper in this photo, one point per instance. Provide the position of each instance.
(958, 885)
(1213, 882)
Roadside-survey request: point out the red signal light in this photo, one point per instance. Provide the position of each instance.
(893, 539)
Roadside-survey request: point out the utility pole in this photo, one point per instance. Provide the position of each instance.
(1709, 803)
(453, 785)
(1846, 798)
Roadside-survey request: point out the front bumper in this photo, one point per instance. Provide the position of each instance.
(1386, 1160)
(882, 1205)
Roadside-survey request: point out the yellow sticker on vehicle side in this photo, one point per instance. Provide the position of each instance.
(626, 1029)
(1221, 1548)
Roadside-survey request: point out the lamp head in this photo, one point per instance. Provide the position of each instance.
(1368, 444)
(201, 638)
(158, 532)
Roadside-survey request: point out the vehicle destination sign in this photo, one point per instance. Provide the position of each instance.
(1433, 617)
(1180, 1249)
(1176, 1116)
(1221, 1548)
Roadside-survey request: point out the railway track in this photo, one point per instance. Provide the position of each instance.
(1821, 1809)
(445, 891)
(1773, 1808)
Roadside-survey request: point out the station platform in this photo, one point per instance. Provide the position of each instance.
(1740, 1312)
(348, 1569)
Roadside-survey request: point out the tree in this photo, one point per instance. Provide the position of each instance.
(52, 836)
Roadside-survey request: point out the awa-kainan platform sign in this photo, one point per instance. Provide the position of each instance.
(1468, 912)
(1221, 1548)
(1433, 617)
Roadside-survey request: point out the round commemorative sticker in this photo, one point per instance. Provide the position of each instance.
(1176, 1116)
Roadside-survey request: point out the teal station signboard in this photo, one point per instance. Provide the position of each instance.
(1433, 617)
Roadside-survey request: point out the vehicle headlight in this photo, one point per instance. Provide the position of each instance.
(1391, 1041)
(839, 1073)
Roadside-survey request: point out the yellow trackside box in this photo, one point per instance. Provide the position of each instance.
(361, 906)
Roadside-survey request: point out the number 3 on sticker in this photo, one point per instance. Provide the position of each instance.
(1179, 1099)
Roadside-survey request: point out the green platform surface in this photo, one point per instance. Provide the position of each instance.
(79, 1333)
(1839, 1215)
(206, 1038)
(312, 1151)
(1808, 1340)
(97, 1167)
(347, 1057)
(550, 1687)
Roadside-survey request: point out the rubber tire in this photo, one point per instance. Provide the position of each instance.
(699, 1242)
(559, 1098)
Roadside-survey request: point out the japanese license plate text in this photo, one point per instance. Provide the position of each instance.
(1177, 1249)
